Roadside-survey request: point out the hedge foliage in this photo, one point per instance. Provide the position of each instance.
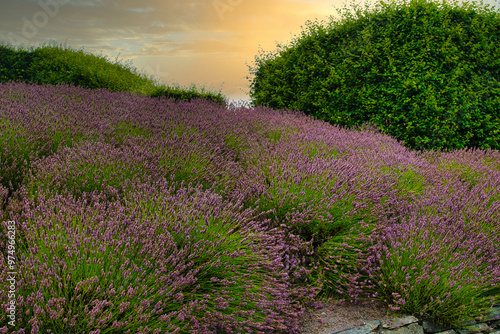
(425, 74)
(54, 64)
(183, 94)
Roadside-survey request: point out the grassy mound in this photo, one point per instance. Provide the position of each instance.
(54, 64)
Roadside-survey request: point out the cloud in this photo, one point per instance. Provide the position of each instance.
(205, 38)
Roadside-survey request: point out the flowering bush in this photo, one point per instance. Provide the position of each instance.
(137, 214)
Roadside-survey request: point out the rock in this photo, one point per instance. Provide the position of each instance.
(431, 327)
(369, 327)
(373, 325)
(494, 314)
(489, 323)
(451, 331)
(399, 322)
(469, 322)
(477, 328)
(409, 329)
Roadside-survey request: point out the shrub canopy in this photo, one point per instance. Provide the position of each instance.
(424, 73)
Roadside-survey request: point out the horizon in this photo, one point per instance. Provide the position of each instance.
(205, 43)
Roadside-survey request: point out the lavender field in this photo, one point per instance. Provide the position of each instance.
(134, 214)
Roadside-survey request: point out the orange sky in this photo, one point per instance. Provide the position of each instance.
(205, 42)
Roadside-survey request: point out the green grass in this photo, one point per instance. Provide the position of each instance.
(55, 64)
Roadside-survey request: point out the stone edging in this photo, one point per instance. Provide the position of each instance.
(489, 323)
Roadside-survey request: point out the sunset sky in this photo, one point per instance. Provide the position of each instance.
(205, 42)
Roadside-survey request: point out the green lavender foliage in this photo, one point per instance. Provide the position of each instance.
(425, 73)
(193, 217)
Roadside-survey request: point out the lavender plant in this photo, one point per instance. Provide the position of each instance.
(91, 167)
(174, 261)
(191, 217)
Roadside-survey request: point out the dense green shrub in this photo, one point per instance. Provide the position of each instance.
(53, 64)
(178, 93)
(14, 65)
(425, 74)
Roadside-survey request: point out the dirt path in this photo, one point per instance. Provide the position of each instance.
(333, 317)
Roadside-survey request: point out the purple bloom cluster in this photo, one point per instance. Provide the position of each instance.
(146, 215)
